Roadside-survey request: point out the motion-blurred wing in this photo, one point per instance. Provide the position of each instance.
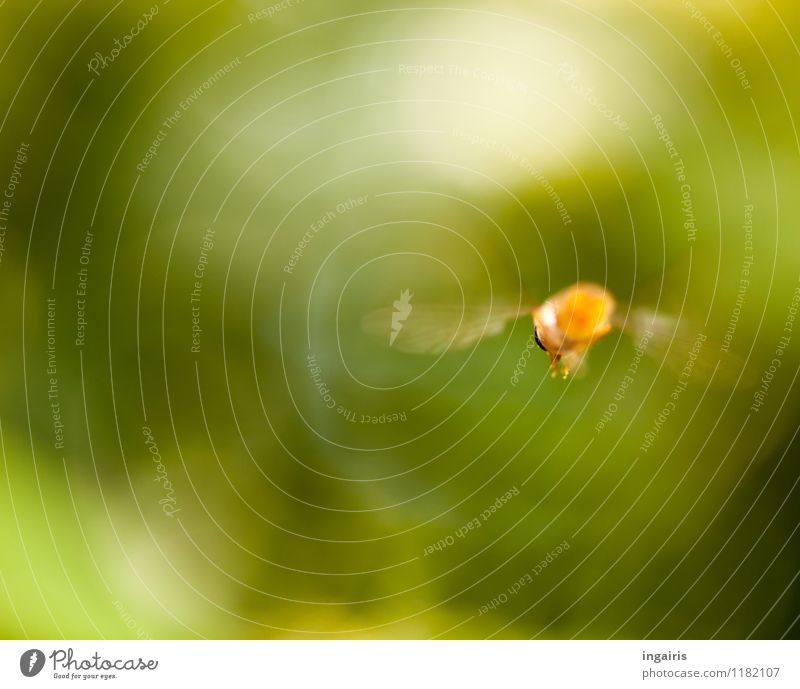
(685, 351)
(433, 329)
(576, 364)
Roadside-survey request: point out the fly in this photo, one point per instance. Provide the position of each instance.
(565, 326)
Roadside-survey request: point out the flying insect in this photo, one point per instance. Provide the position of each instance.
(565, 326)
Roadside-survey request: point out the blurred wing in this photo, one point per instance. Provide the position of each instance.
(435, 328)
(577, 363)
(684, 351)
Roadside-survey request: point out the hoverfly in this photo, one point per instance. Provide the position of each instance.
(565, 326)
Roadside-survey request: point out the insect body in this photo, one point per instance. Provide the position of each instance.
(568, 323)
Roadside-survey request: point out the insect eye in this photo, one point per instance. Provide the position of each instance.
(538, 341)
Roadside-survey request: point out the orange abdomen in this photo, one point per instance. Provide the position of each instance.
(583, 311)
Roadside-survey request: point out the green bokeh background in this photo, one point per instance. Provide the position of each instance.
(295, 521)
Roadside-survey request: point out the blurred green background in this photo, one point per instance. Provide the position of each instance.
(203, 487)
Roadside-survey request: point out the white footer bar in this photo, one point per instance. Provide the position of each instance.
(401, 664)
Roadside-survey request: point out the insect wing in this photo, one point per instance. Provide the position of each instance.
(684, 350)
(435, 328)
